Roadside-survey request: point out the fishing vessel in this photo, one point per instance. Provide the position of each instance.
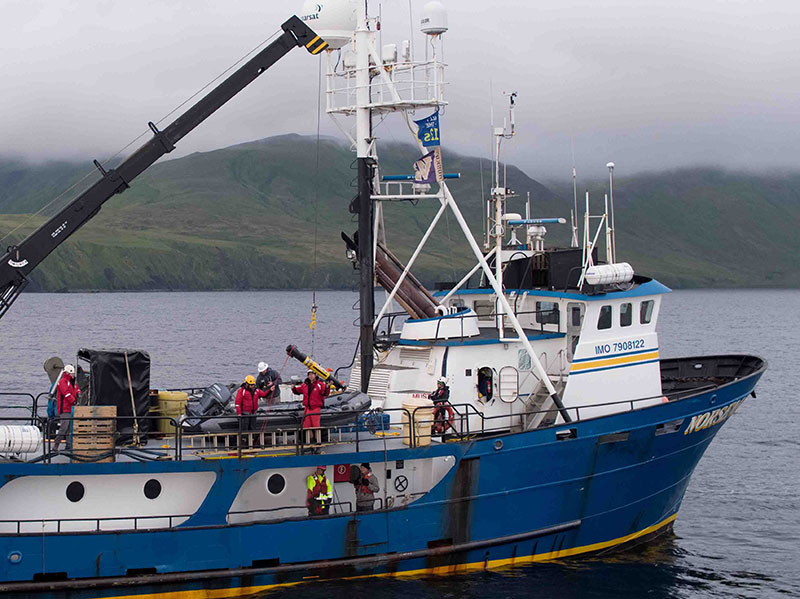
(565, 432)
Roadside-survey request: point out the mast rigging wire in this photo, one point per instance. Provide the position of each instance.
(313, 324)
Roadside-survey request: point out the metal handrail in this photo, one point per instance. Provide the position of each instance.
(31, 410)
(462, 315)
(97, 521)
(349, 505)
(351, 427)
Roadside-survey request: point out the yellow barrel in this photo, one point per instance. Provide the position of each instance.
(421, 410)
(171, 404)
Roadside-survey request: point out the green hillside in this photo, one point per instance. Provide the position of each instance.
(708, 227)
(244, 218)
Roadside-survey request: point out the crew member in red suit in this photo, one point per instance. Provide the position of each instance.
(247, 403)
(66, 396)
(314, 392)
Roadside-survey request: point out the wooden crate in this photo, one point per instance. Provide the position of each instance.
(95, 435)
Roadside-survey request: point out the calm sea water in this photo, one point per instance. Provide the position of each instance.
(737, 534)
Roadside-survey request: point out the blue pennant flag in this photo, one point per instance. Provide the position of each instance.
(429, 130)
(429, 169)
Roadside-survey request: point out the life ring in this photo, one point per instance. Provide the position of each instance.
(442, 418)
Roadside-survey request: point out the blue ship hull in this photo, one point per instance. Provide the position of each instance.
(518, 498)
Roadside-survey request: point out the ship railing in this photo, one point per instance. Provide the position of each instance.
(64, 525)
(15, 403)
(358, 428)
(241, 516)
(539, 319)
(546, 321)
(294, 511)
(364, 430)
(387, 324)
(401, 83)
(170, 521)
(465, 413)
(102, 438)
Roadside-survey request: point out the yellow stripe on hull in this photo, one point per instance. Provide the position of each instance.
(606, 362)
(440, 571)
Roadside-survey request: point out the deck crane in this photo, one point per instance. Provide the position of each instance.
(19, 260)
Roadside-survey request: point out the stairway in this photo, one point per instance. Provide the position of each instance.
(542, 400)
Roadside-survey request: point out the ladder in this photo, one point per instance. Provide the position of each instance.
(539, 401)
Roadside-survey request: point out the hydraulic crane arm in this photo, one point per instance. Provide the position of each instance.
(19, 260)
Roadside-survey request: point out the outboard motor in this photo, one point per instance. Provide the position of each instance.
(212, 403)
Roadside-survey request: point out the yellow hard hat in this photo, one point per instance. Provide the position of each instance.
(250, 379)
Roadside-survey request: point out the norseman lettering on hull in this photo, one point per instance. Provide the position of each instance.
(708, 419)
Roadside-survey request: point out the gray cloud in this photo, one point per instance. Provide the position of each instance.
(649, 85)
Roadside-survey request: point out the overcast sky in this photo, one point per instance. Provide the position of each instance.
(649, 84)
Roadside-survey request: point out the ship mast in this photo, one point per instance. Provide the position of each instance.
(373, 81)
(364, 38)
(499, 194)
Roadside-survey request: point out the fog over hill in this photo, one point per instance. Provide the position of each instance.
(264, 215)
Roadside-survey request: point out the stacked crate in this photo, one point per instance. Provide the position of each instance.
(93, 433)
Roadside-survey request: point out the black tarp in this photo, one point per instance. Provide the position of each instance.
(109, 384)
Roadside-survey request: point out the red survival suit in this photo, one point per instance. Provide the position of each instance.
(313, 399)
(246, 401)
(66, 394)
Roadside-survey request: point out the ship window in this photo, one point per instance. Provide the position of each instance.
(485, 384)
(547, 313)
(484, 309)
(152, 488)
(75, 492)
(276, 484)
(604, 322)
(625, 315)
(646, 312)
(575, 315)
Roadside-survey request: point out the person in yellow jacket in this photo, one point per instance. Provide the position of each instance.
(320, 493)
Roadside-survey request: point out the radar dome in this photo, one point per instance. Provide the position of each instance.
(434, 18)
(332, 20)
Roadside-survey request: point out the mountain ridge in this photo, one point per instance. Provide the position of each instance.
(250, 216)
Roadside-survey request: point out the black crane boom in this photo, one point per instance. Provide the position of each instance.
(19, 260)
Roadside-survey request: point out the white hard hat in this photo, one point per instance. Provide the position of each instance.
(69, 369)
(262, 366)
(442, 379)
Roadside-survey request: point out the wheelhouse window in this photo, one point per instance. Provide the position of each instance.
(547, 313)
(646, 312)
(625, 315)
(484, 309)
(604, 322)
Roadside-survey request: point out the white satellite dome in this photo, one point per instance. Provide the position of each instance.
(333, 20)
(434, 18)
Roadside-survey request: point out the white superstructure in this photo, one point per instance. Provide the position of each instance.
(544, 334)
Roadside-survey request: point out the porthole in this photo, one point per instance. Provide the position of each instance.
(498, 445)
(15, 557)
(152, 488)
(75, 491)
(276, 484)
